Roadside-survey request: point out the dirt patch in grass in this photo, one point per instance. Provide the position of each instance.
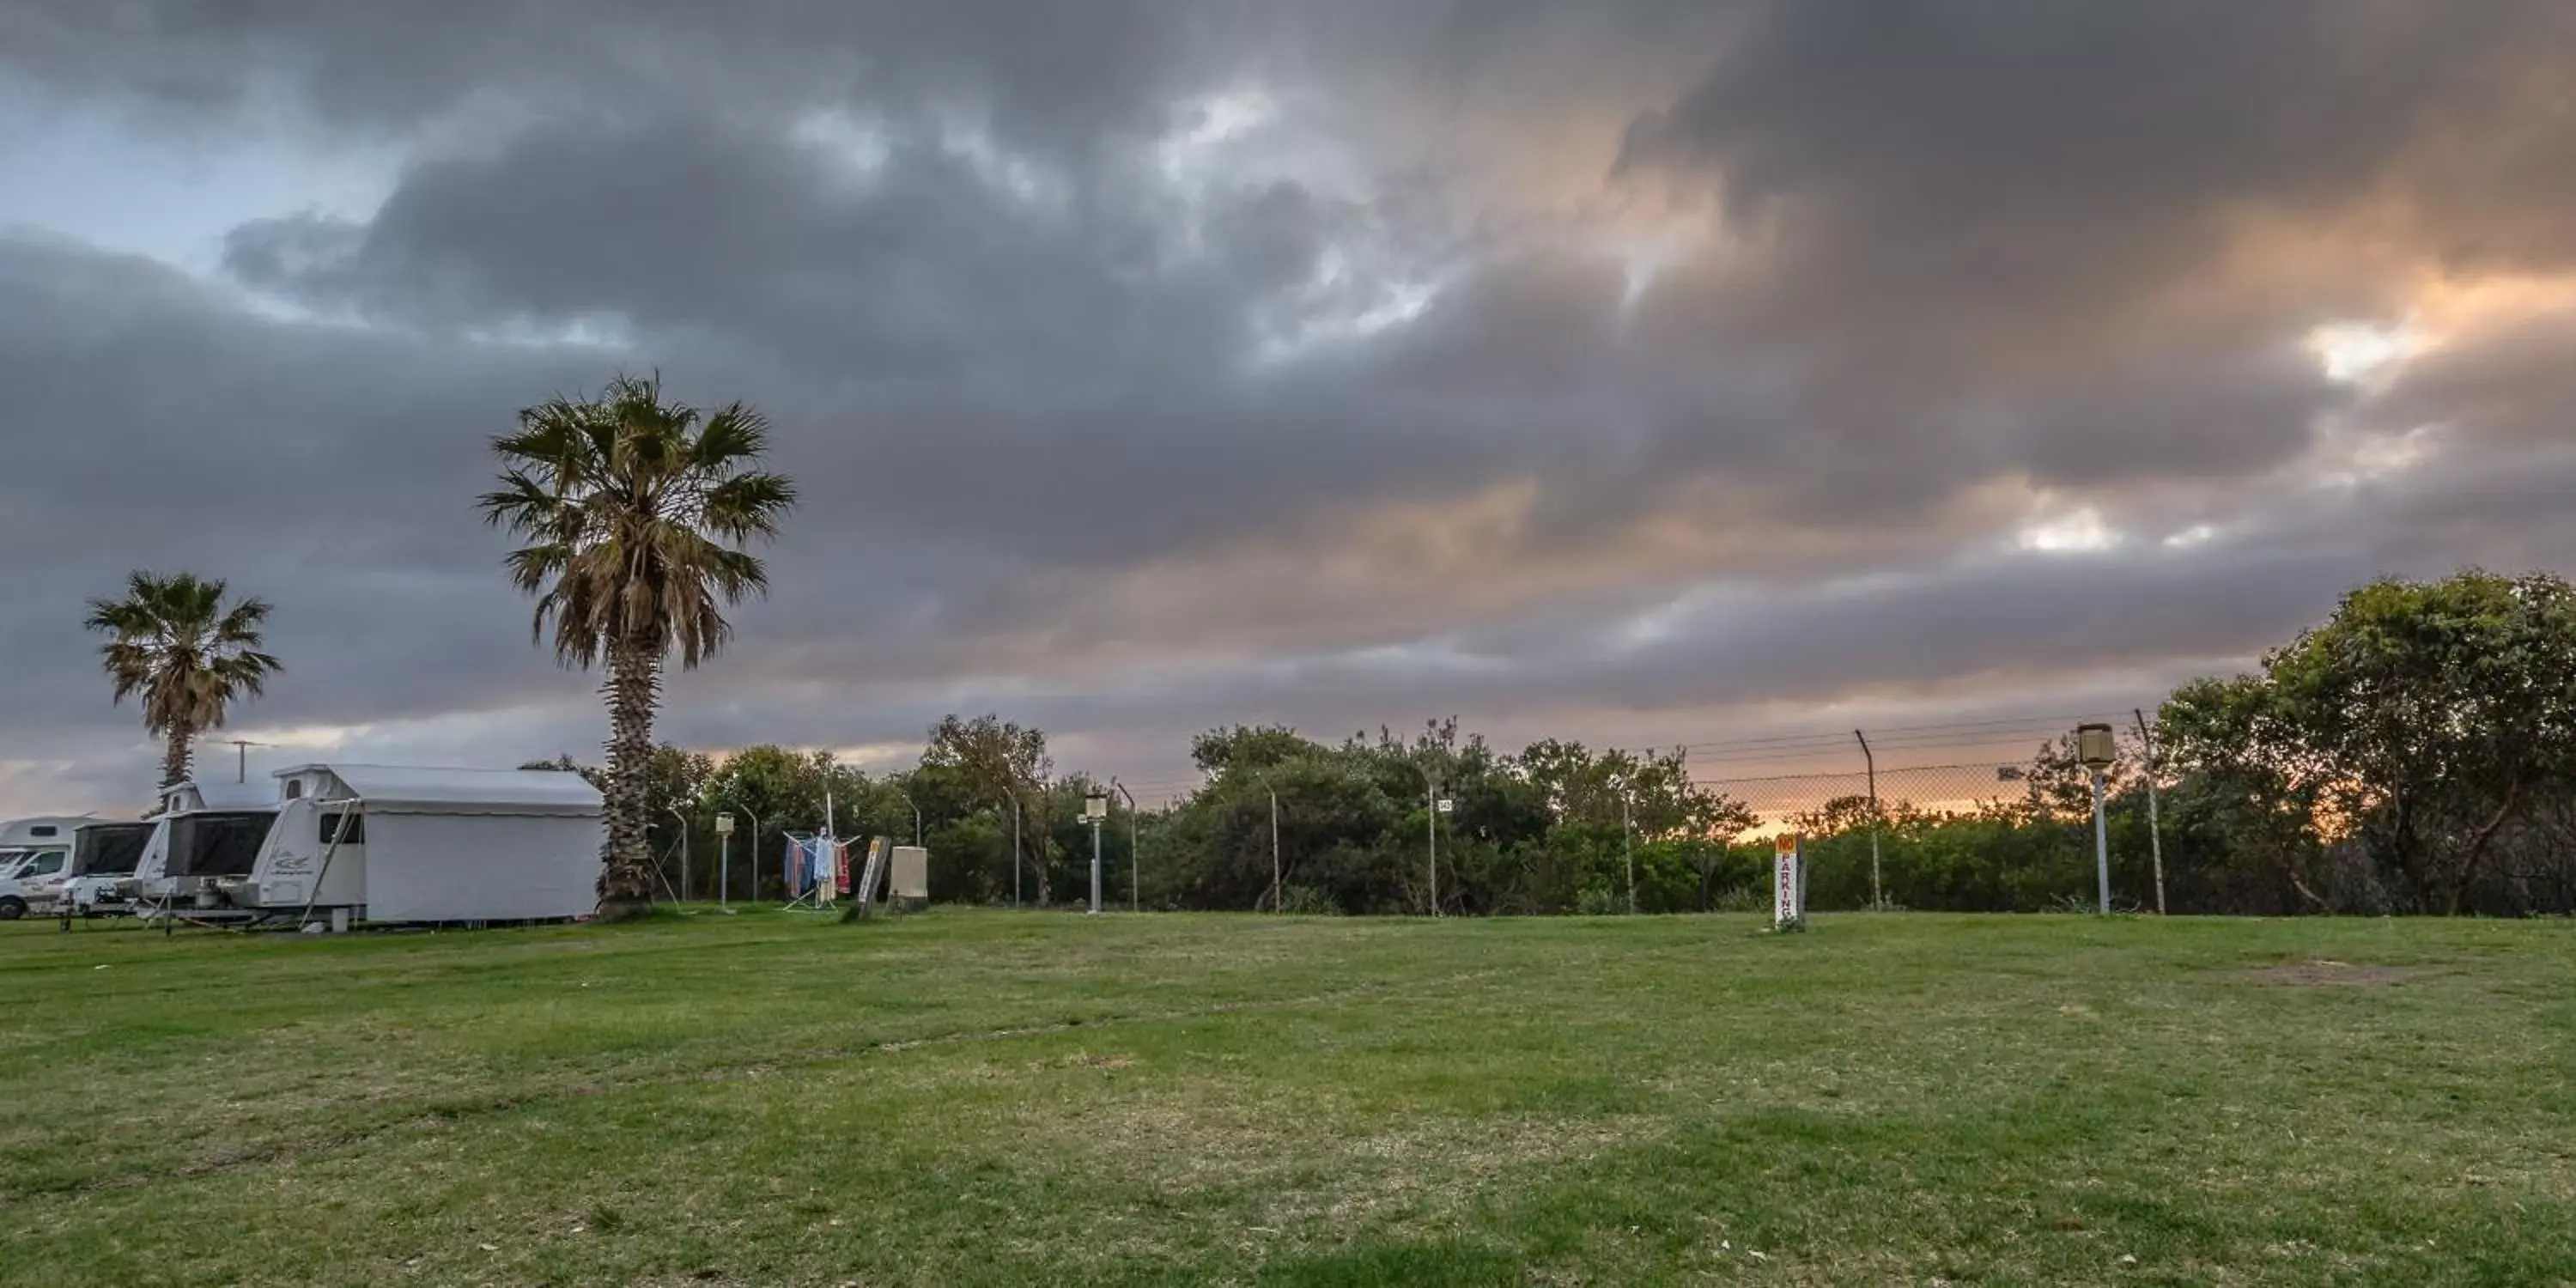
(2327, 974)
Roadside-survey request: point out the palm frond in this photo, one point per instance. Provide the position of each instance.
(634, 507)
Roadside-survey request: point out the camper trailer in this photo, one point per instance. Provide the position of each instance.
(389, 844)
(155, 885)
(33, 852)
(103, 856)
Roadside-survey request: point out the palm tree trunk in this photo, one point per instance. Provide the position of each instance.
(175, 759)
(626, 861)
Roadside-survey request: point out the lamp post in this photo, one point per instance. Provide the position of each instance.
(755, 846)
(1436, 805)
(2095, 747)
(1135, 857)
(916, 816)
(684, 846)
(1095, 811)
(724, 860)
(2155, 827)
(1627, 846)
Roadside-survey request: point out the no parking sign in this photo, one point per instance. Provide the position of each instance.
(1788, 883)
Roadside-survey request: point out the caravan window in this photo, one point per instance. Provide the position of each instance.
(44, 829)
(353, 832)
(109, 849)
(222, 844)
(294, 788)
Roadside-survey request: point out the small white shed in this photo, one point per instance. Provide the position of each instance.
(433, 844)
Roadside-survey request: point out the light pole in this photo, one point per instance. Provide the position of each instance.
(2095, 748)
(684, 847)
(1095, 811)
(2155, 829)
(755, 846)
(1436, 803)
(1627, 846)
(916, 816)
(724, 860)
(1135, 857)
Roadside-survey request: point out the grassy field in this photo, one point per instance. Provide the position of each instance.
(967, 1097)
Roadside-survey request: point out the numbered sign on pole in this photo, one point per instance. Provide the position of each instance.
(1788, 907)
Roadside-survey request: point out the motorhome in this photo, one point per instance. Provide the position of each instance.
(33, 851)
(393, 844)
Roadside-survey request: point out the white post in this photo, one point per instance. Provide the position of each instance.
(1095, 811)
(1275, 869)
(2101, 845)
(1788, 883)
(724, 858)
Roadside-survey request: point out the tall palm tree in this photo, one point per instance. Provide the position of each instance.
(189, 655)
(635, 511)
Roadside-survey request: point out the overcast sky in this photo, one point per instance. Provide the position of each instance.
(1645, 371)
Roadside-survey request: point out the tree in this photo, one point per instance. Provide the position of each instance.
(1249, 747)
(991, 761)
(636, 512)
(188, 654)
(2423, 720)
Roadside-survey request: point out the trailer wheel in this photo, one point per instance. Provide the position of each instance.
(12, 908)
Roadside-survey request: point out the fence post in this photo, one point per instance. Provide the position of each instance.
(1877, 896)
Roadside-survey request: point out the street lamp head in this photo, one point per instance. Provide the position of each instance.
(2095, 746)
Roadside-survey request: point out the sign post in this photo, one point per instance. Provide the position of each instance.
(1788, 883)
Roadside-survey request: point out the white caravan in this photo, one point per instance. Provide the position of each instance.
(153, 882)
(386, 844)
(103, 856)
(33, 851)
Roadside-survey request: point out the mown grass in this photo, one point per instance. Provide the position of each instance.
(970, 1098)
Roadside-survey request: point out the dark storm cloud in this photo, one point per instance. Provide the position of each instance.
(2079, 148)
(1040, 72)
(1515, 358)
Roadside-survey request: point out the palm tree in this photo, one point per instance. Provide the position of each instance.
(635, 511)
(186, 653)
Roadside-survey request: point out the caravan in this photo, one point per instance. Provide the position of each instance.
(166, 875)
(389, 844)
(103, 856)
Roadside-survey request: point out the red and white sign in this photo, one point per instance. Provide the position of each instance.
(1788, 892)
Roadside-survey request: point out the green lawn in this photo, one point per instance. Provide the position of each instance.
(985, 1097)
